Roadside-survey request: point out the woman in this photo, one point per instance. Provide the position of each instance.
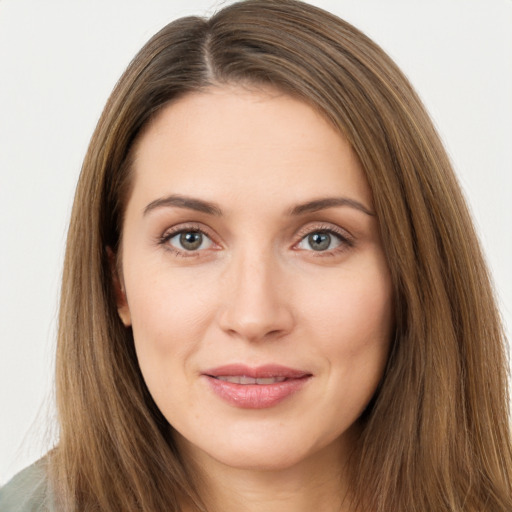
(273, 295)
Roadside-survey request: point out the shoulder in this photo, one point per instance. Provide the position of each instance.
(27, 491)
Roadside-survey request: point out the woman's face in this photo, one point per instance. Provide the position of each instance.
(254, 278)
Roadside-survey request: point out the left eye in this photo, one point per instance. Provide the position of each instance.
(320, 241)
(190, 241)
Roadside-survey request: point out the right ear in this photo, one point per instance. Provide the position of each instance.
(123, 309)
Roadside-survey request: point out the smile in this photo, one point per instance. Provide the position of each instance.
(255, 388)
(244, 380)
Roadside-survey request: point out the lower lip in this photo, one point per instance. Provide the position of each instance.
(256, 396)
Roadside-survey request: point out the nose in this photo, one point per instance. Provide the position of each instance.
(256, 304)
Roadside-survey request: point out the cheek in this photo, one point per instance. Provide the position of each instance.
(169, 317)
(353, 321)
(355, 310)
(167, 303)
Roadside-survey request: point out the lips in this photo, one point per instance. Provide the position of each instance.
(255, 387)
(244, 380)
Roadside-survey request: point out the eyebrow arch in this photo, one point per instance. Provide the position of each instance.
(180, 201)
(329, 202)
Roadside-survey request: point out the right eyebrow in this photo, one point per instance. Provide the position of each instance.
(190, 203)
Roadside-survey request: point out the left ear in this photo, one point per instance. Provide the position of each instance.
(123, 309)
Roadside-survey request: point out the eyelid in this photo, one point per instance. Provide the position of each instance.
(347, 239)
(171, 232)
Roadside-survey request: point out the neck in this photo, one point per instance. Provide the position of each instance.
(317, 483)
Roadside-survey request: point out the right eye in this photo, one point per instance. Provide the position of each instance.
(189, 240)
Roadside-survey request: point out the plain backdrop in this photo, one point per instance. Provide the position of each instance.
(58, 64)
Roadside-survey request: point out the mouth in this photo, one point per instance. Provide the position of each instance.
(255, 388)
(245, 380)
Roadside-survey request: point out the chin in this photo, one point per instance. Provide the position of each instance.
(259, 460)
(261, 450)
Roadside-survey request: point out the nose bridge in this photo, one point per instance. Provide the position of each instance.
(255, 306)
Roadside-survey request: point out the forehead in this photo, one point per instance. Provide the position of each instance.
(258, 143)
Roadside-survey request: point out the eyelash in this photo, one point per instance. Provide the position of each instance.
(346, 241)
(182, 228)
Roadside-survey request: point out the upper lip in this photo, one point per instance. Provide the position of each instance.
(256, 372)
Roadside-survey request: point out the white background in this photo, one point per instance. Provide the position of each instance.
(58, 64)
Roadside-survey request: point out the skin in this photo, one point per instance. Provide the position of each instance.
(256, 292)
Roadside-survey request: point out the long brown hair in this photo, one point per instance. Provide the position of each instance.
(436, 435)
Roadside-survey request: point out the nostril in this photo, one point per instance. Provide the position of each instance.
(254, 310)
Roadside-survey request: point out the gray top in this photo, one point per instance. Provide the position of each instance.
(27, 491)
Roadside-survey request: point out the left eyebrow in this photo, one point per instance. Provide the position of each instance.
(329, 202)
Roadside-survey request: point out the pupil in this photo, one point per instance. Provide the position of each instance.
(319, 241)
(191, 240)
